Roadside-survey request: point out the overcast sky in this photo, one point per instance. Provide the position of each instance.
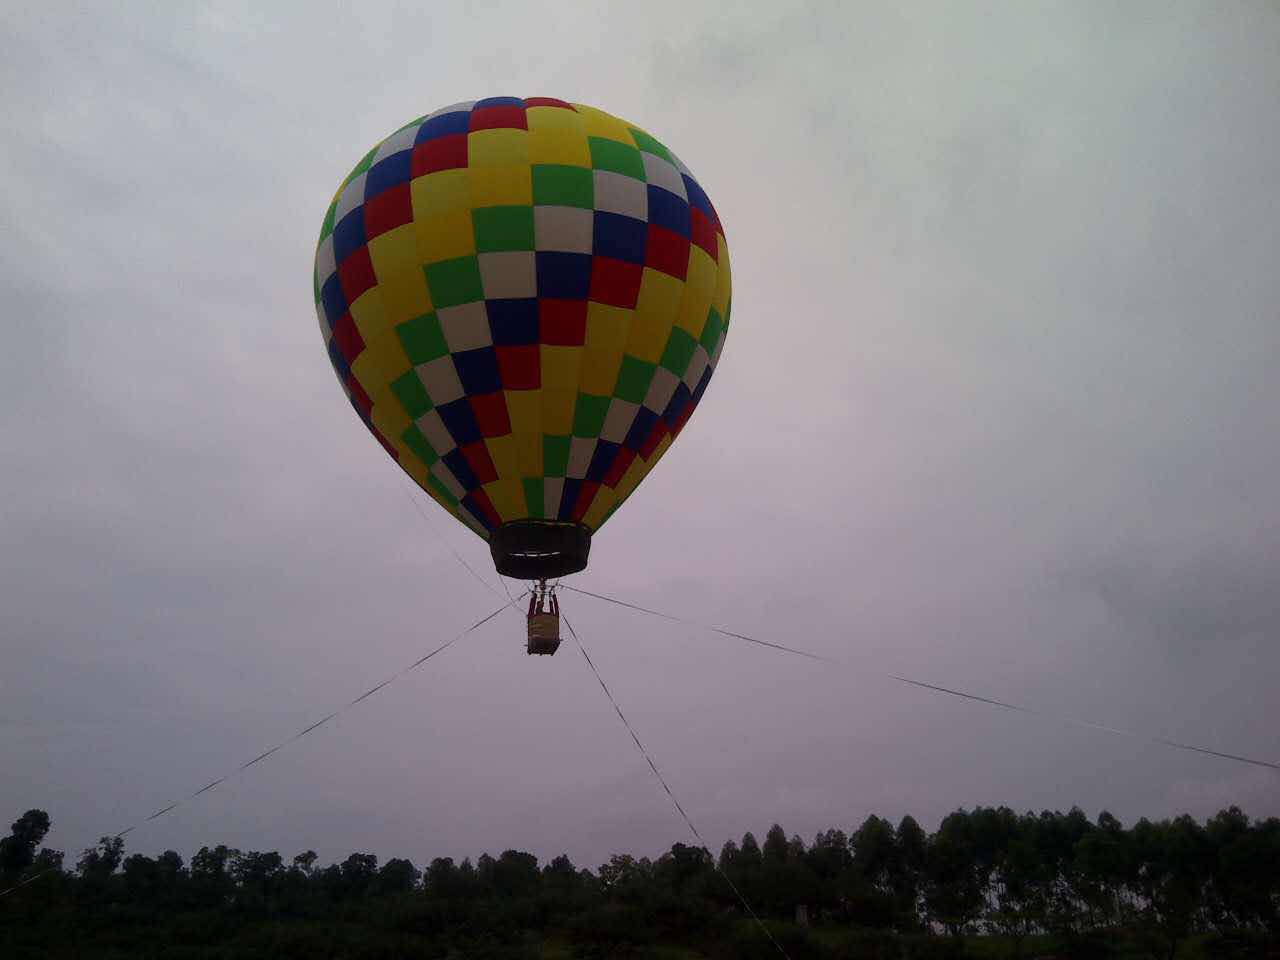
(999, 409)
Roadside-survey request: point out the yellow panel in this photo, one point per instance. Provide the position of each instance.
(552, 146)
(554, 120)
(600, 124)
(445, 236)
(394, 252)
(529, 453)
(524, 407)
(607, 326)
(631, 478)
(503, 147)
(502, 186)
(507, 496)
(383, 359)
(368, 313)
(656, 308)
(599, 370)
(440, 192)
(557, 410)
(413, 466)
(604, 500)
(699, 288)
(405, 296)
(723, 281)
(607, 329)
(391, 421)
(560, 366)
(502, 451)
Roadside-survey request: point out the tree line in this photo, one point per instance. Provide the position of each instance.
(1051, 881)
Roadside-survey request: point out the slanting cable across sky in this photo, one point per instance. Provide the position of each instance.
(949, 691)
(665, 786)
(297, 736)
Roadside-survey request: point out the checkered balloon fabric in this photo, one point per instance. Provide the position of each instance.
(524, 301)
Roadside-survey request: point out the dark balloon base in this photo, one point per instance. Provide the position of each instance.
(540, 549)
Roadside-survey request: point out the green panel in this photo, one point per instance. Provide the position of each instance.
(533, 496)
(365, 163)
(453, 282)
(422, 338)
(555, 185)
(441, 490)
(615, 156)
(415, 441)
(555, 456)
(589, 414)
(412, 394)
(679, 352)
(503, 228)
(711, 331)
(326, 228)
(633, 379)
(650, 145)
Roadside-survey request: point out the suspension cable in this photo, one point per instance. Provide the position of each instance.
(950, 691)
(297, 736)
(667, 787)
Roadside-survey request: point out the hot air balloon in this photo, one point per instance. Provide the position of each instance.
(524, 300)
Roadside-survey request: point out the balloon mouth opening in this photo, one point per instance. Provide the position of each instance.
(540, 549)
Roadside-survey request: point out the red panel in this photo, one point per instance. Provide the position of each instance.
(655, 437)
(585, 495)
(495, 118)
(548, 102)
(356, 274)
(491, 415)
(667, 251)
(442, 153)
(359, 399)
(345, 334)
(388, 210)
(562, 323)
(519, 368)
(386, 445)
(615, 282)
(477, 457)
(485, 506)
(704, 233)
(621, 461)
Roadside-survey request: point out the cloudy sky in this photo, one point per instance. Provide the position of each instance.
(999, 410)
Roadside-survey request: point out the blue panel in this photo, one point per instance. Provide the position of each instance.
(498, 102)
(564, 276)
(568, 498)
(334, 300)
(460, 421)
(340, 365)
(696, 197)
(457, 463)
(444, 125)
(641, 427)
(513, 322)
(388, 172)
(472, 508)
(619, 237)
(701, 388)
(679, 400)
(668, 210)
(348, 235)
(478, 371)
(602, 460)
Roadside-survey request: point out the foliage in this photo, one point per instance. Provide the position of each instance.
(987, 882)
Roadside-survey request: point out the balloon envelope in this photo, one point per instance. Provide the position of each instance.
(524, 300)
